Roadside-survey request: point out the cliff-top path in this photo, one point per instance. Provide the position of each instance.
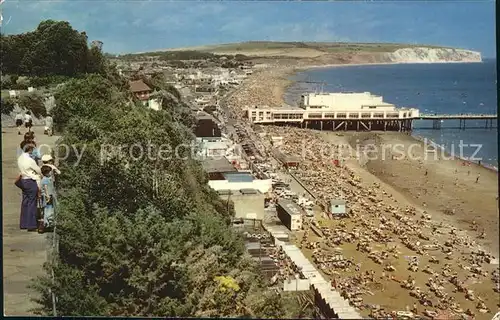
(23, 252)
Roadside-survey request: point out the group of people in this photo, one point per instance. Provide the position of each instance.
(27, 120)
(36, 180)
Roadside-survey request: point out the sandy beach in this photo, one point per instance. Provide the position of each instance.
(444, 186)
(444, 202)
(448, 186)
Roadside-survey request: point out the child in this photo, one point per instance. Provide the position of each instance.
(28, 121)
(48, 125)
(47, 160)
(47, 197)
(19, 122)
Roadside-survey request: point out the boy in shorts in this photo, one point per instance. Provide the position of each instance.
(47, 187)
(28, 121)
(19, 122)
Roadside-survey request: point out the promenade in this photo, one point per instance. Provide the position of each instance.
(23, 252)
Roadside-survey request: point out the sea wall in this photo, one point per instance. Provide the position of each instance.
(430, 55)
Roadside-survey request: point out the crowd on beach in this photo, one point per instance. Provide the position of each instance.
(429, 264)
(385, 232)
(36, 180)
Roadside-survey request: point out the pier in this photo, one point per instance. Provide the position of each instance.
(438, 119)
(350, 111)
(366, 120)
(400, 120)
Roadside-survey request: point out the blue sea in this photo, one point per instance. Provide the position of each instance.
(445, 88)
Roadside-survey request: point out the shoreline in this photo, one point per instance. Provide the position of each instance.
(278, 78)
(408, 202)
(447, 153)
(444, 206)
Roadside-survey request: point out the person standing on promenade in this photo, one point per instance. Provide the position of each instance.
(49, 122)
(47, 160)
(28, 121)
(29, 138)
(19, 122)
(29, 182)
(48, 196)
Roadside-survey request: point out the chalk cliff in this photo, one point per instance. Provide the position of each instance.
(430, 55)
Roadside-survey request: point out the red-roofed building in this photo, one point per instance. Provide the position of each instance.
(140, 90)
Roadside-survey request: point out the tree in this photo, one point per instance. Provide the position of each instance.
(7, 106)
(23, 83)
(136, 228)
(33, 102)
(54, 48)
(96, 62)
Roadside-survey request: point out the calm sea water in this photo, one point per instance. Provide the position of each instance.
(432, 88)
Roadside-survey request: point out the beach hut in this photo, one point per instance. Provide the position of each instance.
(289, 161)
(338, 208)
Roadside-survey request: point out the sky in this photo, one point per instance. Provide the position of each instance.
(126, 26)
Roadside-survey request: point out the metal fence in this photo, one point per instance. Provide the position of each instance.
(54, 242)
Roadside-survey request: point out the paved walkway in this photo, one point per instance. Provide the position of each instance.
(23, 252)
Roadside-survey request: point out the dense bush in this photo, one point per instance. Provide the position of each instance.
(142, 235)
(8, 105)
(33, 102)
(38, 82)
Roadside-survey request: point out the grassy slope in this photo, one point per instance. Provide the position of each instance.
(320, 46)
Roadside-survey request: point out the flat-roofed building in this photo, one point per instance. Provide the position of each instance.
(344, 101)
(206, 126)
(338, 111)
(239, 181)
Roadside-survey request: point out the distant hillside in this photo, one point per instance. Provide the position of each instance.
(321, 53)
(296, 49)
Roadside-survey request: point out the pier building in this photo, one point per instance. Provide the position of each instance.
(339, 111)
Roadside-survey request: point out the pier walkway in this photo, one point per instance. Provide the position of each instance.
(332, 120)
(457, 116)
(438, 119)
(24, 253)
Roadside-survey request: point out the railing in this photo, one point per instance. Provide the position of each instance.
(55, 245)
(458, 116)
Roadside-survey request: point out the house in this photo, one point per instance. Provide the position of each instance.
(206, 126)
(289, 214)
(248, 203)
(216, 167)
(140, 90)
(223, 175)
(338, 208)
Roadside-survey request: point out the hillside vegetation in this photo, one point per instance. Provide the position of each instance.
(297, 49)
(140, 234)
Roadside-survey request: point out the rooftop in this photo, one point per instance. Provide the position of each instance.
(238, 177)
(222, 165)
(338, 202)
(248, 205)
(204, 116)
(138, 86)
(289, 206)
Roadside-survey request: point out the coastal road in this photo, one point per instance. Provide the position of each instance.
(23, 252)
